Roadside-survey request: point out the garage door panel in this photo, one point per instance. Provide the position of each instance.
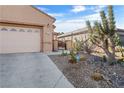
(19, 39)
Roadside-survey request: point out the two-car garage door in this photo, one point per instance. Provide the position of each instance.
(17, 39)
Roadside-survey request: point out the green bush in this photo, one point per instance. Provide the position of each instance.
(64, 53)
(73, 55)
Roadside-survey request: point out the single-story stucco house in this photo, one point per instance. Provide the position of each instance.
(82, 33)
(24, 28)
(69, 37)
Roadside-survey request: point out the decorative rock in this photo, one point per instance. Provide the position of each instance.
(121, 81)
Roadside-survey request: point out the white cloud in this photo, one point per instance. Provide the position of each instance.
(66, 27)
(81, 19)
(52, 14)
(56, 14)
(73, 24)
(92, 17)
(78, 8)
(120, 26)
(42, 8)
(98, 8)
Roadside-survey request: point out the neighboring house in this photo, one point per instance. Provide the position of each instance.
(121, 34)
(24, 28)
(69, 37)
(79, 34)
(55, 41)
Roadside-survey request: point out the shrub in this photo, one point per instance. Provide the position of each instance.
(64, 53)
(72, 57)
(77, 45)
(83, 45)
(97, 76)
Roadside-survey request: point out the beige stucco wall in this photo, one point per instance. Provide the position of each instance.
(25, 14)
(77, 36)
(47, 39)
(55, 45)
(68, 38)
(61, 39)
(55, 37)
(80, 37)
(71, 39)
(69, 44)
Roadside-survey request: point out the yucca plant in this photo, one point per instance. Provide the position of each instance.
(83, 45)
(104, 35)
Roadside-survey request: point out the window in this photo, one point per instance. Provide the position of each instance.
(4, 29)
(36, 31)
(21, 30)
(13, 29)
(29, 31)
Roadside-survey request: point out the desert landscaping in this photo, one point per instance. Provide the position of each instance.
(96, 61)
(90, 72)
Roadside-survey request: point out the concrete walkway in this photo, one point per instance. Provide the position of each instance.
(30, 70)
(59, 52)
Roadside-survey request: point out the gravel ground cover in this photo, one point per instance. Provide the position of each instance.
(79, 74)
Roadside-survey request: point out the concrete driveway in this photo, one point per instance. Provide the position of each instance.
(30, 70)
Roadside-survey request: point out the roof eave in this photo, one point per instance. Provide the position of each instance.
(43, 12)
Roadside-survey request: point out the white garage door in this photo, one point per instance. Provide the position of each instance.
(19, 39)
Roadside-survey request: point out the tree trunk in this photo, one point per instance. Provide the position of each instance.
(112, 46)
(121, 50)
(110, 56)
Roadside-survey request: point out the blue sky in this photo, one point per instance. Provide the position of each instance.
(72, 17)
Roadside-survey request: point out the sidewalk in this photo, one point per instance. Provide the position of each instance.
(59, 52)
